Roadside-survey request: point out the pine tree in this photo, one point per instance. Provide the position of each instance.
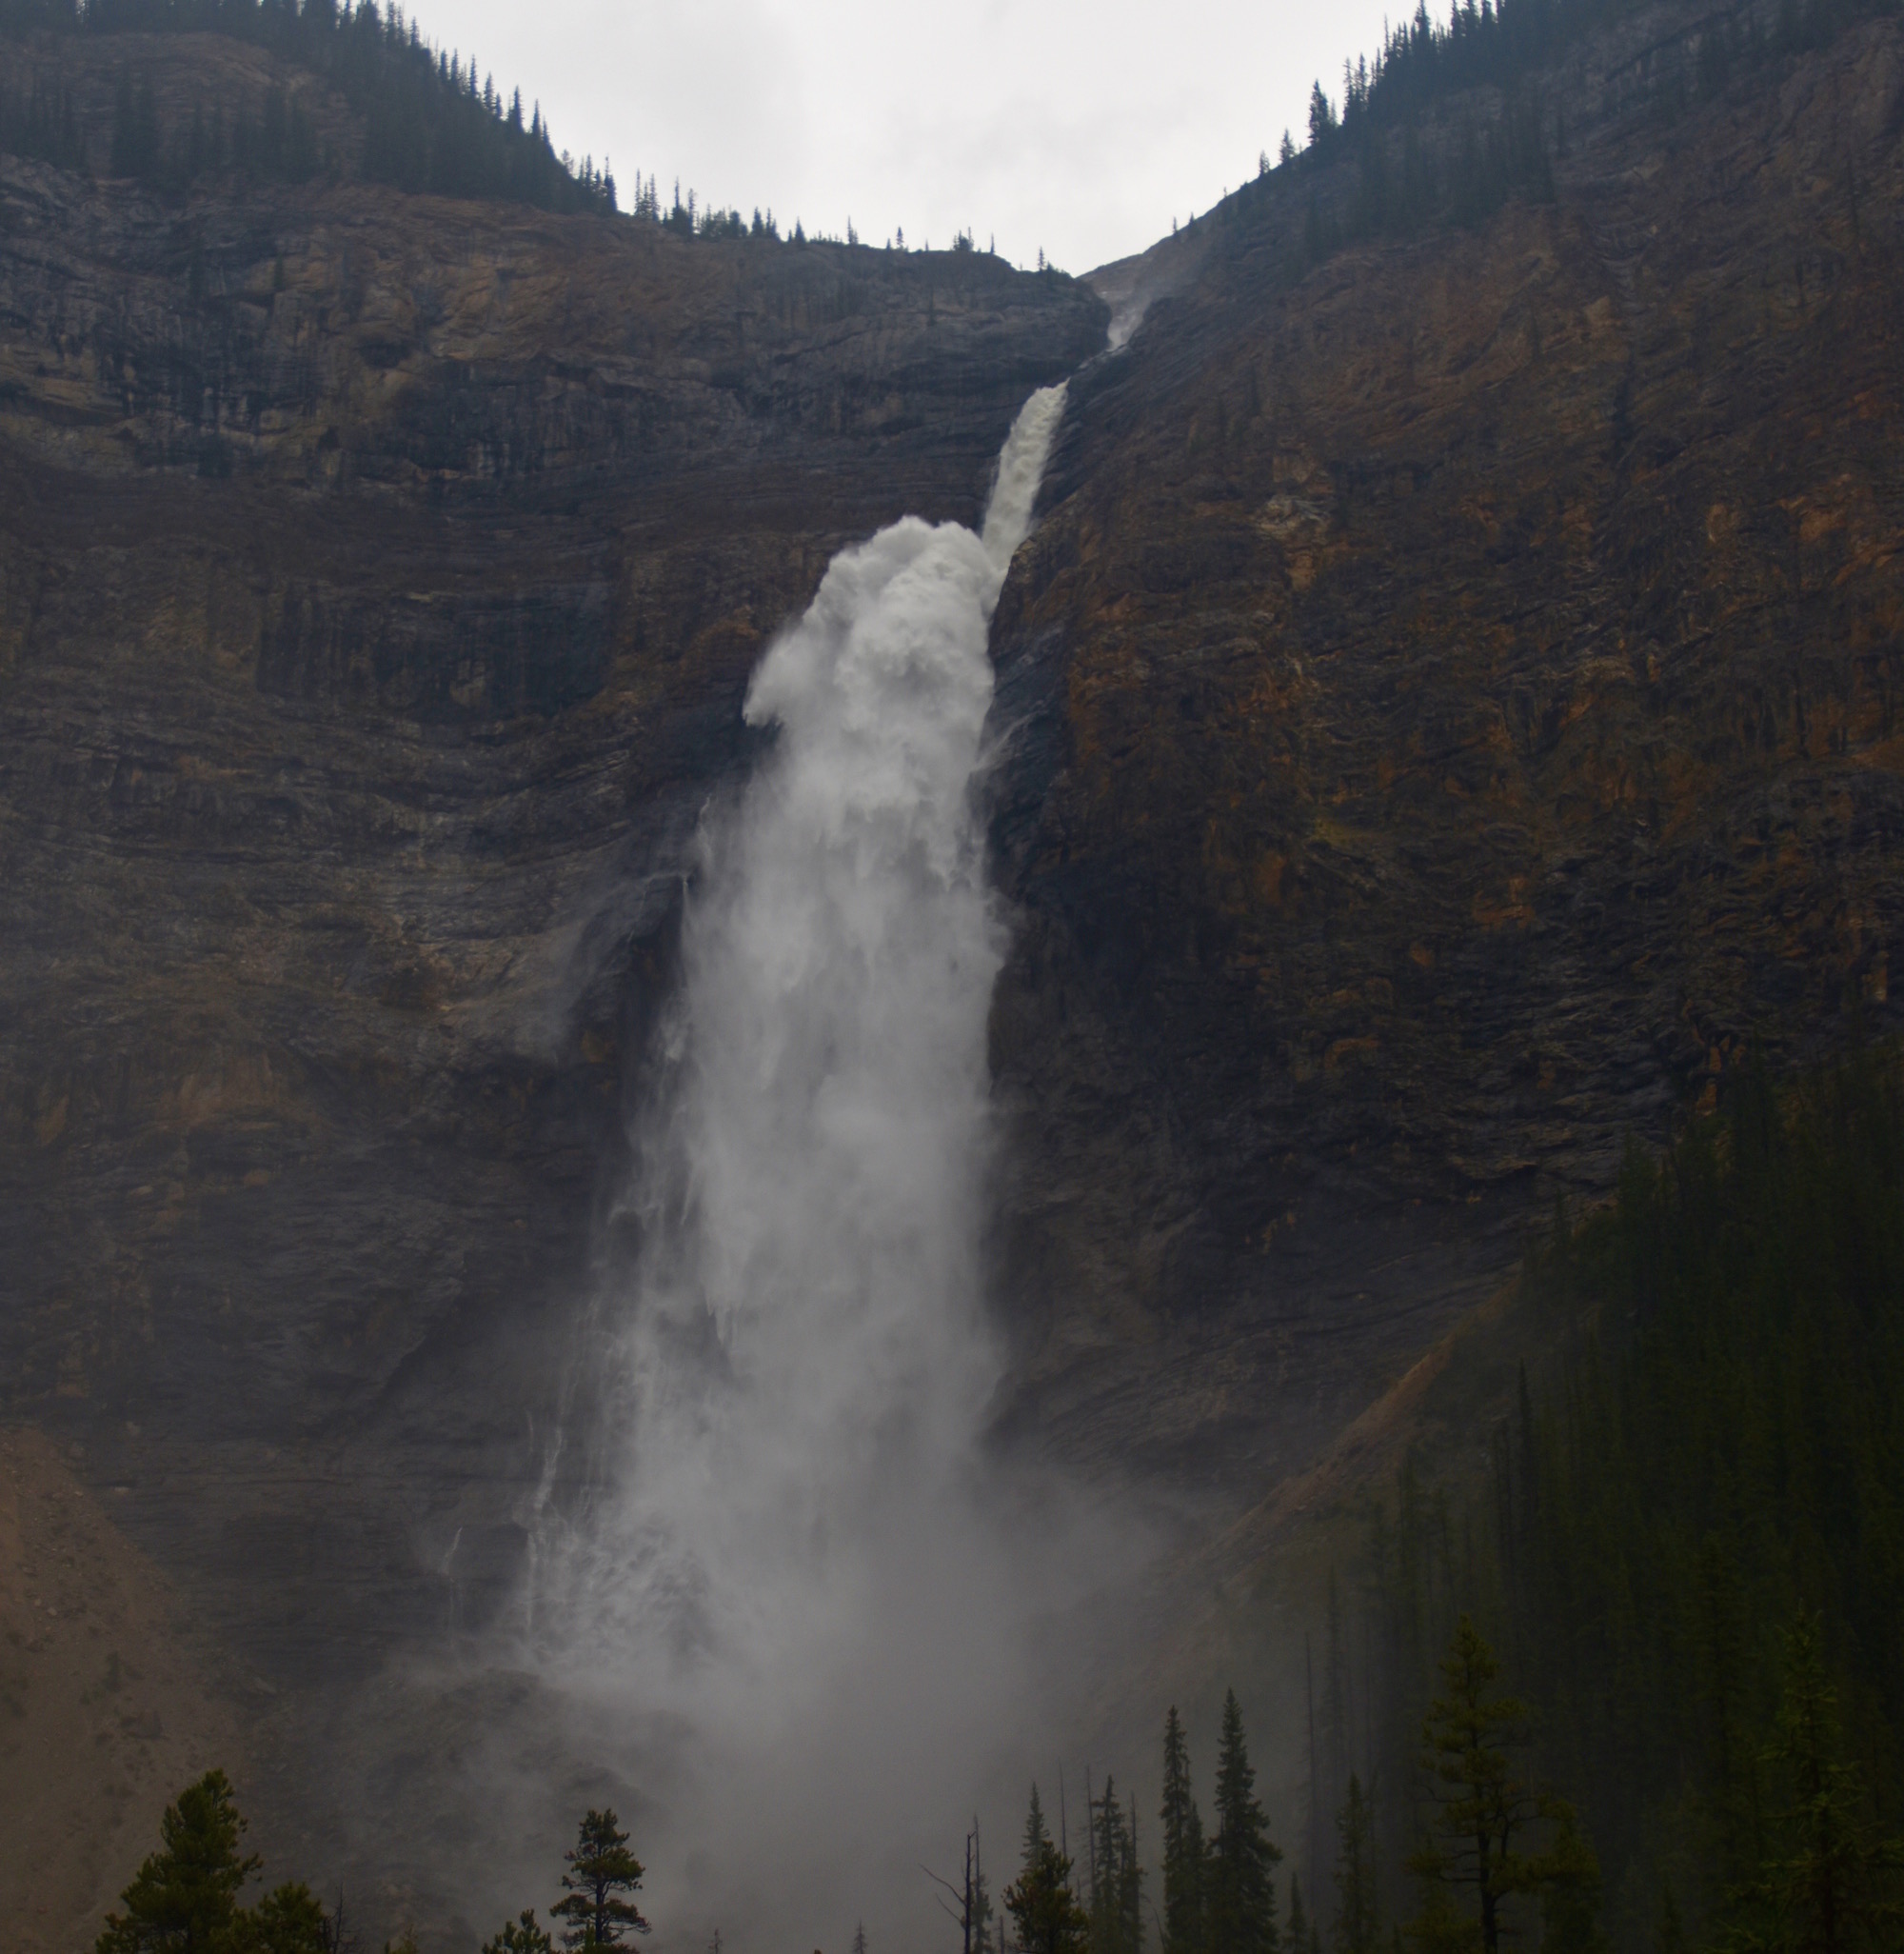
(286, 1921)
(1183, 1850)
(601, 1870)
(520, 1936)
(1321, 114)
(1828, 1886)
(1298, 1918)
(1357, 1925)
(1441, 1926)
(859, 1937)
(184, 1899)
(1117, 1876)
(1240, 1892)
(1048, 1916)
(1483, 1812)
(1482, 1806)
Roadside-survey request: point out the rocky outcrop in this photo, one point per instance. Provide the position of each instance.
(379, 580)
(1452, 715)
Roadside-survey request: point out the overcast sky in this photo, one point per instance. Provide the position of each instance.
(1080, 126)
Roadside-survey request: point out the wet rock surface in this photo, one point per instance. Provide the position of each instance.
(379, 581)
(1450, 715)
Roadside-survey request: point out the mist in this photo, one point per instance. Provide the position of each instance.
(802, 1608)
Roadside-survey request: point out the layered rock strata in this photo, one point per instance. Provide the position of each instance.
(379, 580)
(1452, 715)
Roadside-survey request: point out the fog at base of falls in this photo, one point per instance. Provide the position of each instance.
(802, 1610)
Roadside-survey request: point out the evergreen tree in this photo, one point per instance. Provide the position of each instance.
(1482, 1805)
(525, 1935)
(1321, 115)
(1117, 1876)
(1358, 1924)
(1241, 1889)
(1044, 1911)
(601, 1870)
(1830, 1886)
(286, 1921)
(1184, 1854)
(1440, 1926)
(184, 1899)
(1483, 1812)
(1301, 1932)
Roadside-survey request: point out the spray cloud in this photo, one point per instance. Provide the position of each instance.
(802, 1594)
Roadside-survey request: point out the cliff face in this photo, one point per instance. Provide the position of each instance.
(1448, 713)
(1454, 702)
(379, 580)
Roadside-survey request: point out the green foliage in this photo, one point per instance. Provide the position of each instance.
(1447, 122)
(1240, 1889)
(1827, 1885)
(430, 124)
(601, 1871)
(1044, 1910)
(1116, 1877)
(184, 1899)
(1717, 1451)
(286, 1921)
(1440, 1926)
(1183, 1850)
(1304, 1934)
(1483, 1811)
(520, 1936)
(1482, 1805)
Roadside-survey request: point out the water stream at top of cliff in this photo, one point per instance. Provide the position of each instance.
(799, 1588)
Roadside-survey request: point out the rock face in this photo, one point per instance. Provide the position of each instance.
(1454, 702)
(1448, 713)
(379, 580)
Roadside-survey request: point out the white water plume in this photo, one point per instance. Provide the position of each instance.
(805, 1602)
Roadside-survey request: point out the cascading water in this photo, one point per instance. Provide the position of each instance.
(804, 1593)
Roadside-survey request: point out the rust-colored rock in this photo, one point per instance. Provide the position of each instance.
(1455, 694)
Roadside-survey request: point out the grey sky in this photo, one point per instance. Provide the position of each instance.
(1078, 128)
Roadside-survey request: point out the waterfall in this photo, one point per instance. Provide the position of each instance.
(801, 1589)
